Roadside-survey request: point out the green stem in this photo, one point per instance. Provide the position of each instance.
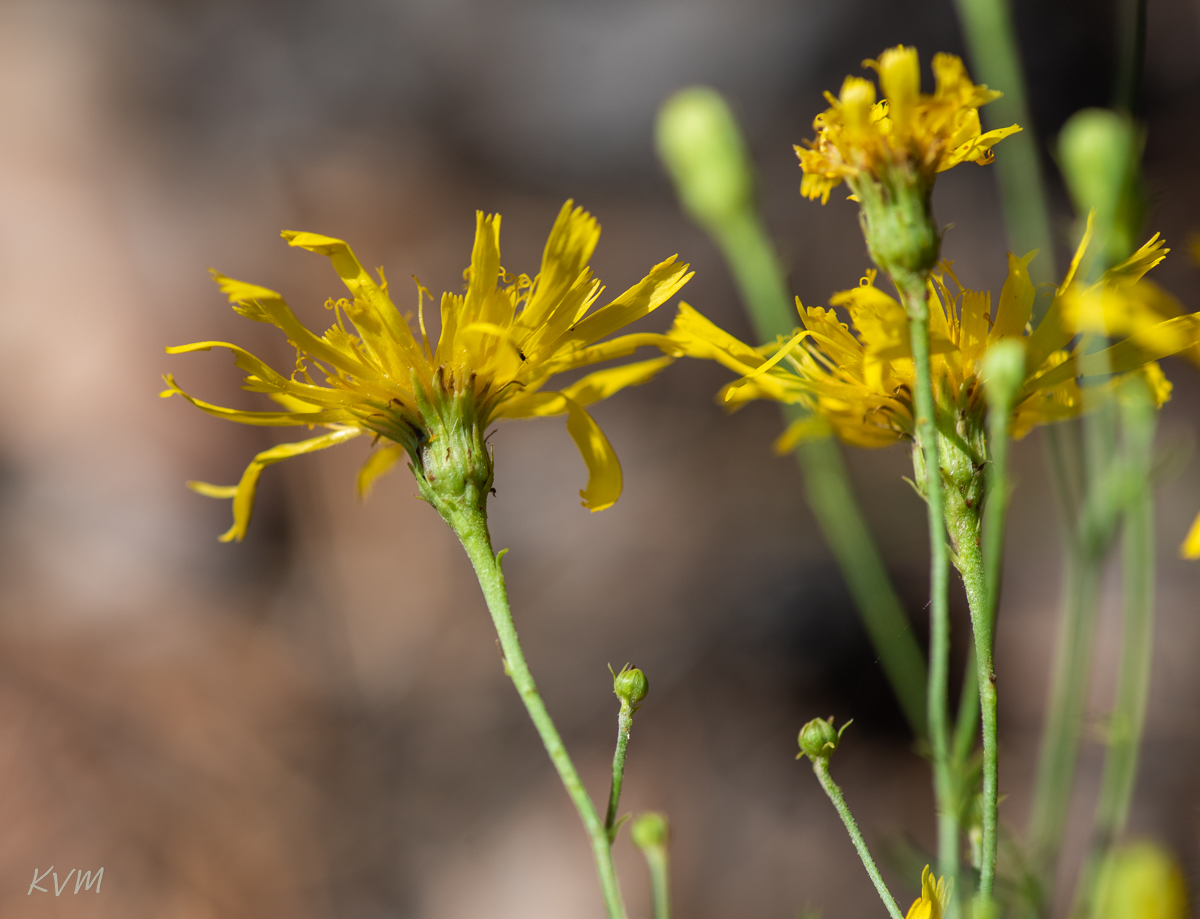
(624, 723)
(1132, 27)
(821, 768)
(1137, 638)
(659, 864)
(755, 267)
(996, 61)
(1064, 717)
(472, 530)
(913, 294)
(980, 570)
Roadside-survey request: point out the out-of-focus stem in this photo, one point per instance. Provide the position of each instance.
(658, 861)
(756, 270)
(1133, 680)
(1131, 26)
(1064, 717)
(913, 294)
(996, 61)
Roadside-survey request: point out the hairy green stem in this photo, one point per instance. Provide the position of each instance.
(964, 524)
(913, 294)
(820, 766)
(471, 528)
(624, 723)
(755, 267)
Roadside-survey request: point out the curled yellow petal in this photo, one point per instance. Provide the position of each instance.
(243, 493)
(604, 469)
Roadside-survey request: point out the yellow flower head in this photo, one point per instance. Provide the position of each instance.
(858, 383)
(928, 132)
(500, 341)
(935, 896)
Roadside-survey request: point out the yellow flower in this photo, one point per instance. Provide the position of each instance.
(500, 342)
(859, 383)
(935, 896)
(930, 132)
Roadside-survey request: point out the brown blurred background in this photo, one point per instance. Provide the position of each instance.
(315, 723)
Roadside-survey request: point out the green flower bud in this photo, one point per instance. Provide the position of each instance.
(699, 141)
(630, 686)
(819, 738)
(1100, 153)
(1003, 372)
(649, 830)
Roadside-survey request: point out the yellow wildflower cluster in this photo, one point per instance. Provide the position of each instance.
(932, 132)
(859, 384)
(500, 342)
(935, 896)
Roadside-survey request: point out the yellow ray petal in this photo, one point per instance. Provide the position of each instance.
(802, 430)
(568, 250)
(768, 364)
(271, 380)
(263, 419)
(973, 332)
(243, 493)
(603, 383)
(1191, 545)
(1016, 299)
(379, 463)
(604, 469)
(376, 317)
(663, 281)
(587, 391)
(622, 346)
(264, 305)
(1077, 258)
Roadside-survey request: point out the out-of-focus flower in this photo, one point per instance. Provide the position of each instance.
(1142, 880)
(935, 896)
(930, 133)
(500, 342)
(860, 383)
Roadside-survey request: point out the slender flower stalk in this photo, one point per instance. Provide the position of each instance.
(630, 686)
(472, 530)
(701, 144)
(818, 741)
(651, 833)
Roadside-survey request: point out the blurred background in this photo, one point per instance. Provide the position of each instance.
(315, 722)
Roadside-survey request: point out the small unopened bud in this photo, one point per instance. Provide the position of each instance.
(650, 831)
(819, 738)
(699, 141)
(1003, 372)
(630, 686)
